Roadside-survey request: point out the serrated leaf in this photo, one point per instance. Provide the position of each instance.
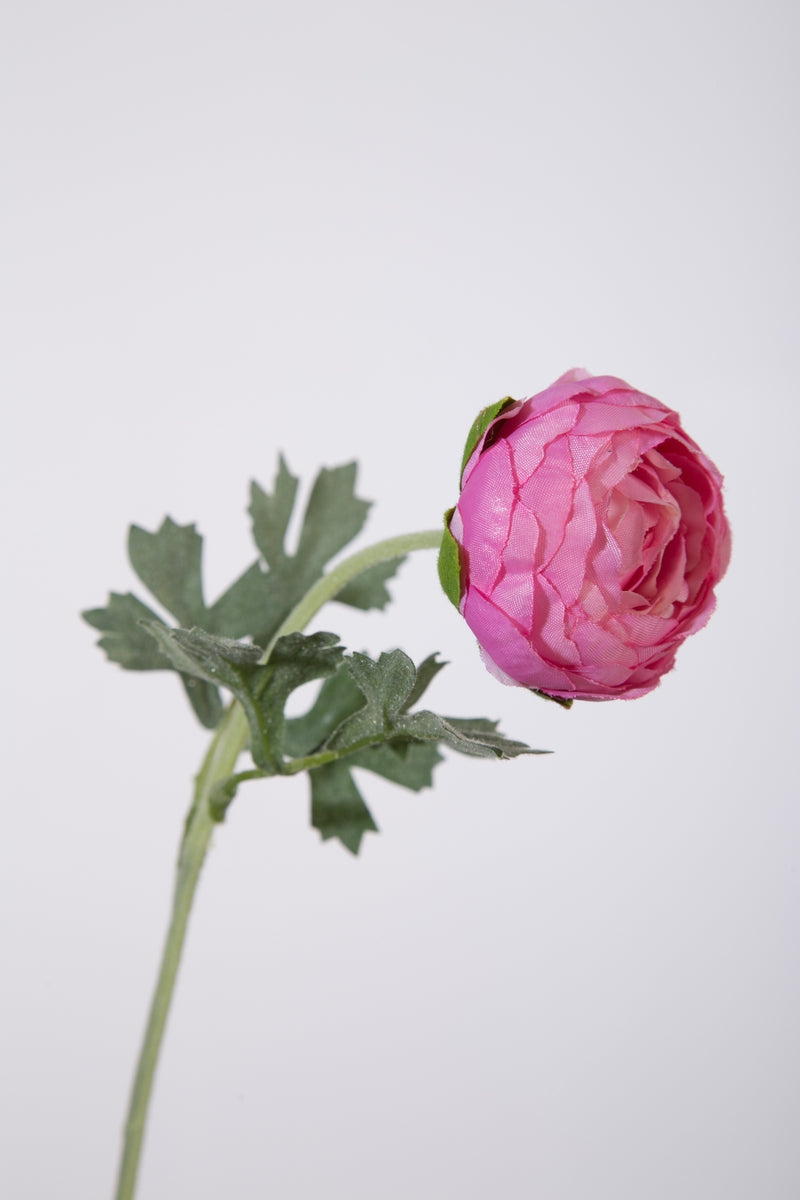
(169, 563)
(409, 764)
(388, 686)
(261, 689)
(427, 670)
(337, 808)
(205, 655)
(368, 590)
(466, 736)
(333, 517)
(296, 659)
(244, 607)
(338, 699)
(213, 659)
(125, 641)
(271, 515)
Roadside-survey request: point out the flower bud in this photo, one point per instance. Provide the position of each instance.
(587, 540)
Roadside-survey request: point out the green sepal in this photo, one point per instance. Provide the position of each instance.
(563, 701)
(480, 425)
(449, 563)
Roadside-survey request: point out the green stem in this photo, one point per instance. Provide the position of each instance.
(227, 744)
(219, 762)
(327, 586)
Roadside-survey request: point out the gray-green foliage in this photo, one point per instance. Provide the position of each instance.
(364, 714)
(361, 718)
(169, 564)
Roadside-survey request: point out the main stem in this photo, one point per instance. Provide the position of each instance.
(227, 744)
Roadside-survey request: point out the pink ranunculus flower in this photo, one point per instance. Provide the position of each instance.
(587, 540)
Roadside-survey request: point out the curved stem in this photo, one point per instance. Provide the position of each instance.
(219, 762)
(227, 744)
(327, 586)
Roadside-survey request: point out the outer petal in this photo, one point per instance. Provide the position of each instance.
(593, 534)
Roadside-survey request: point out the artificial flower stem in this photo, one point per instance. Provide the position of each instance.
(327, 586)
(218, 763)
(230, 739)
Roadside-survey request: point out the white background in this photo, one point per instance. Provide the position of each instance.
(340, 230)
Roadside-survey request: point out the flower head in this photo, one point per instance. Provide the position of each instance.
(589, 536)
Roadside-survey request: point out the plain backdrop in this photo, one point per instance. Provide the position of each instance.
(339, 230)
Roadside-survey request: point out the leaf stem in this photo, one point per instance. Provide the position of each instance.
(230, 739)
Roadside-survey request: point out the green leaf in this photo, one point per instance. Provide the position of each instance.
(449, 563)
(368, 590)
(242, 608)
(360, 719)
(205, 701)
(296, 659)
(388, 686)
(481, 424)
(204, 655)
(337, 809)
(213, 659)
(472, 736)
(382, 736)
(169, 563)
(338, 699)
(427, 670)
(333, 517)
(125, 641)
(409, 764)
(261, 689)
(271, 515)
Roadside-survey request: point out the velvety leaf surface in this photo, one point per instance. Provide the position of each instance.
(369, 590)
(125, 641)
(337, 809)
(169, 562)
